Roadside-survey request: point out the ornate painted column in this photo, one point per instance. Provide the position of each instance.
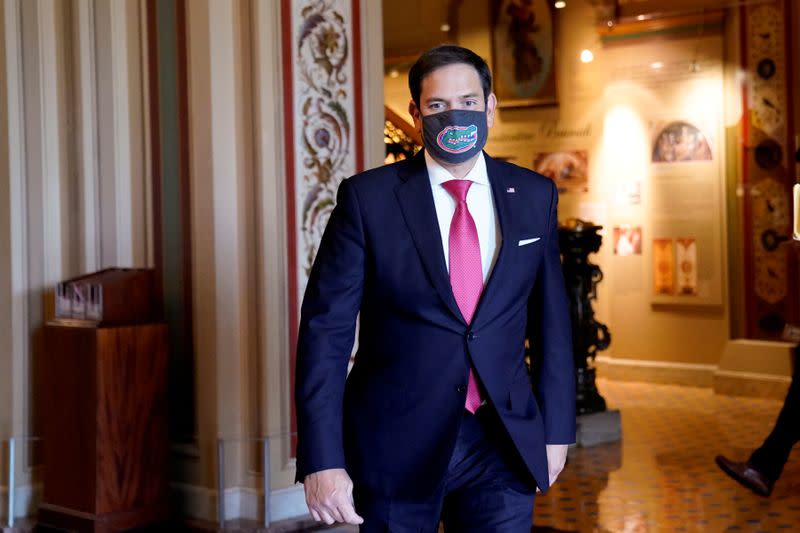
(323, 123)
(322, 83)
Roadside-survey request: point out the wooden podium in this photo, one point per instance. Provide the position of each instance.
(105, 435)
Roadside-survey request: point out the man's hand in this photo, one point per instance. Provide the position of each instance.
(329, 495)
(556, 459)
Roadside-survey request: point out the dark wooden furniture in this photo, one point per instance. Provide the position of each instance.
(110, 297)
(105, 434)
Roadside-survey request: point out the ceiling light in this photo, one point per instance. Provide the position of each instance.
(445, 27)
(641, 17)
(394, 73)
(561, 4)
(657, 65)
(587, 56)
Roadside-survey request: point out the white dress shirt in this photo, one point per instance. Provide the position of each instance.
(480, 203)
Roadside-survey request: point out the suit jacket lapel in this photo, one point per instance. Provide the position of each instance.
(419, 211)
(500, 193)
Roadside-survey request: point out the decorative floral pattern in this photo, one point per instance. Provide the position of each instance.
(324, 105)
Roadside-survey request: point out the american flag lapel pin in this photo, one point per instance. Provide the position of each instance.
(511, 190)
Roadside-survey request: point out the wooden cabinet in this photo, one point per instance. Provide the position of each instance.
(105, 435)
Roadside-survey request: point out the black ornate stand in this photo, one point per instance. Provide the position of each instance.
(577, 239)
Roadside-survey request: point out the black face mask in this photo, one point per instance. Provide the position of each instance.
(454, 136)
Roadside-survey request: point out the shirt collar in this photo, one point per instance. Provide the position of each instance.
(438, 174)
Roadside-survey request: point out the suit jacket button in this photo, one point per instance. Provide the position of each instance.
(471, 336)
(461, 389)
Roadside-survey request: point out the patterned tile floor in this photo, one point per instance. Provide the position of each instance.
(662, 476)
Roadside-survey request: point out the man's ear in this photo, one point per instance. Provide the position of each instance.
(413, 110)
(491, 107)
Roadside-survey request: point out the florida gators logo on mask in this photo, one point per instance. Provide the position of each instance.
(455, 135)
(457, 139)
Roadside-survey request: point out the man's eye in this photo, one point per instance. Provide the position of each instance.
(435, 106)
(471, 103)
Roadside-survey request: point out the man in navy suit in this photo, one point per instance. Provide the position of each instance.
(452, 259)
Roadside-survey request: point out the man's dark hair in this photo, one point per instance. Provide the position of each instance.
(441, 56)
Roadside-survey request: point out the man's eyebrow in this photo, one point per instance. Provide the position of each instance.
(434, 99)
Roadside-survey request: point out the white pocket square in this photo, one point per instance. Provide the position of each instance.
(523, 242)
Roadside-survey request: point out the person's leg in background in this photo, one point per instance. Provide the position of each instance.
(771, 457)
(765, 465)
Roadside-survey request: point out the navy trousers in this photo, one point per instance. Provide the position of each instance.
(487, 489)
(771, 457)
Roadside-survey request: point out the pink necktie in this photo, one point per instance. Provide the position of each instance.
(466, 274)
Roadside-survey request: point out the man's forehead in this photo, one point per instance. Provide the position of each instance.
(460, 76)
(463, 69)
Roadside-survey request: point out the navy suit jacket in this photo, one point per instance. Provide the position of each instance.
(394, 421)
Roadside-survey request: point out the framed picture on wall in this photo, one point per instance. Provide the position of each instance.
(680, 141)
(523, 52)
(569, 169)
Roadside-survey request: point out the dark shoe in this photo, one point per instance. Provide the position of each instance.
(745, 474)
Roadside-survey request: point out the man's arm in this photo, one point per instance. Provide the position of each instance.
(550, 335)
(325, 340)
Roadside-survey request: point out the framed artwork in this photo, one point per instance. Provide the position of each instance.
(568, 169)
(627, 240)
(523, 52)
(679, 142)
(664, 267)
(686, 252)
